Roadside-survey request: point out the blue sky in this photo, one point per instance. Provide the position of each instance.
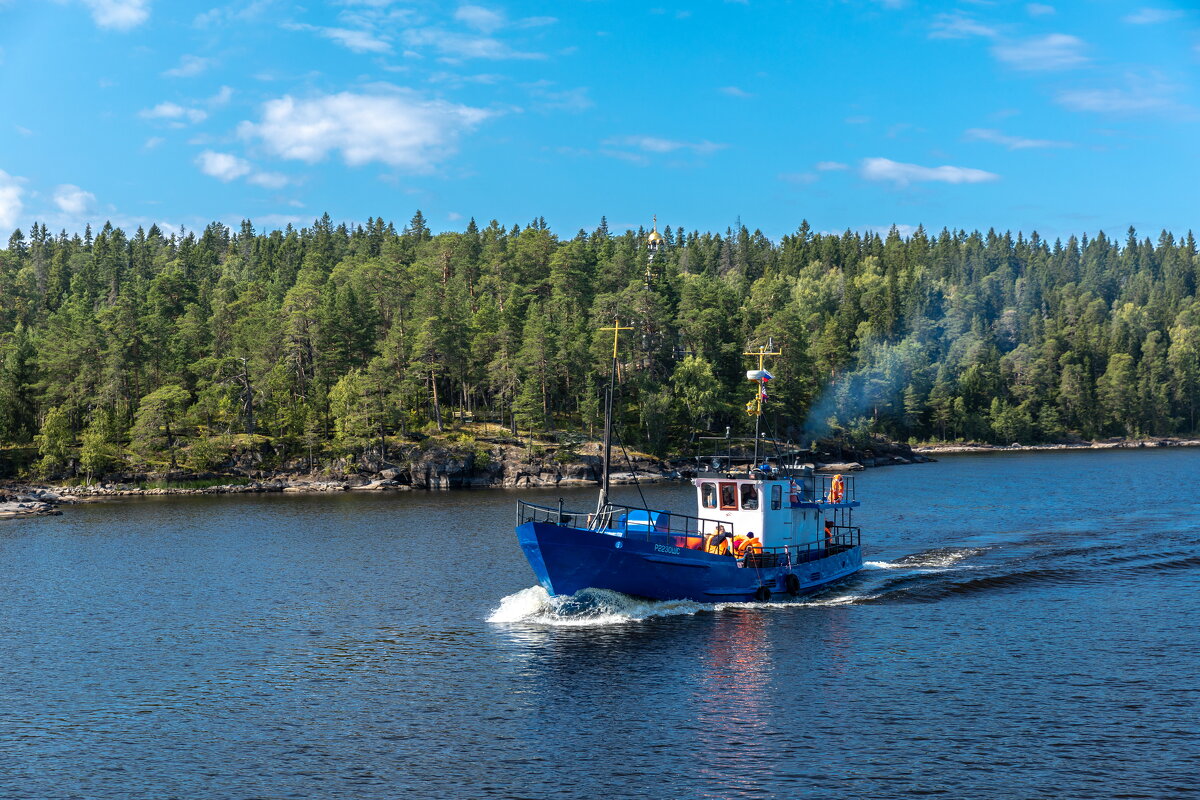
(1060, 117)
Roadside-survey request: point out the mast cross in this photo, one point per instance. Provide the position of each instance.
(616, 329)
(762, 353)
(602, 501)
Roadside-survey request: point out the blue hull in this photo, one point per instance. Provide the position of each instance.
(567, 560)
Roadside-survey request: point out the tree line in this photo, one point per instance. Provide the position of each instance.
(163, 349)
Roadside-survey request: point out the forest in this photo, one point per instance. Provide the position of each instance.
(162, 350)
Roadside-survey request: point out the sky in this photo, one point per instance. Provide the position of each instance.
(1059, 117)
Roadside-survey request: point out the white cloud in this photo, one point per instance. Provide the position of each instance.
(1152, 16)
(1138, 97)
(958, 26)
(1054, 51)
(653, 144)
(72, 200)
(831, 166)
(457, 46)
(268, 180)
(485, 78)
(548, 98)
(886, 230)
(1039, 9)
(152, 142)
(120, 15)
(1011, 142)
(173, 111)
(222, 166)
(734, 91)
(10, 201)
(801, 178)
(354, 40)
(189, 66)
(884, 169)
(221, 98)
(484, 20)
(396, 128)
(21, 129)
(234, 12)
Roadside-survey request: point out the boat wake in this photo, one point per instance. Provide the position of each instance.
(926, 577)
(588, 608)
(937, 559)
(601, 607)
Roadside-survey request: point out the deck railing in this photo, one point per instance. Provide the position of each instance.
(681, 530)
(684, 530)
(825, 482)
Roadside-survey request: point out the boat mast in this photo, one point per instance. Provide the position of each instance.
(760, 378)
(608, 403)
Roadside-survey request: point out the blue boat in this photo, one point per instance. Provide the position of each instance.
(760, 531)
(808, 541)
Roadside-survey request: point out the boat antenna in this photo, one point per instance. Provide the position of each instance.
(608, 403)
(760, 377)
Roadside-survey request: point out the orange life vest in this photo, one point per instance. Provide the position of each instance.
(752, 546)
(837, 489)
(720, 548)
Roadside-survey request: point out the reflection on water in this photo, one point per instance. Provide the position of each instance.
(1012, 636)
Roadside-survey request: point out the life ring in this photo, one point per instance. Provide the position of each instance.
(763, 594)
(837, 489)
(791, 583)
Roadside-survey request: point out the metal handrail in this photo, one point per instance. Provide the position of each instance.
(614, 518)
(684, 530)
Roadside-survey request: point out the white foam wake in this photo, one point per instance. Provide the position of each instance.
(586, 608)
(932, 561)
(600, 607)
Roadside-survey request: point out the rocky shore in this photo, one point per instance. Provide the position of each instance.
(954, 448)
(430, 468)
(31, 502)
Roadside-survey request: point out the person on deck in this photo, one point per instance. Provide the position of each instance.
(719, 543)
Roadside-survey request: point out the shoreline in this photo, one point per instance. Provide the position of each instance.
(950, 448)
(20, 499)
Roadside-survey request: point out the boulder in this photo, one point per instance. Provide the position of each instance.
(841, 466)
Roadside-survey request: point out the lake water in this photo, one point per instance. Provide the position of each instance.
(1028, 626)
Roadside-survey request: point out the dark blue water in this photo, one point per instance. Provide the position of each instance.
(1029, 627)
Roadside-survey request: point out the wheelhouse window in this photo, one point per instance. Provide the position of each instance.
(729, 496)
(749, 496)
(776, 497)
(708, 495)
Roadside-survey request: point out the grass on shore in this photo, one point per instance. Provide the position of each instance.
(205, 483)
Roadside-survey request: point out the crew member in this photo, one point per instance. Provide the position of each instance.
(718, 543)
